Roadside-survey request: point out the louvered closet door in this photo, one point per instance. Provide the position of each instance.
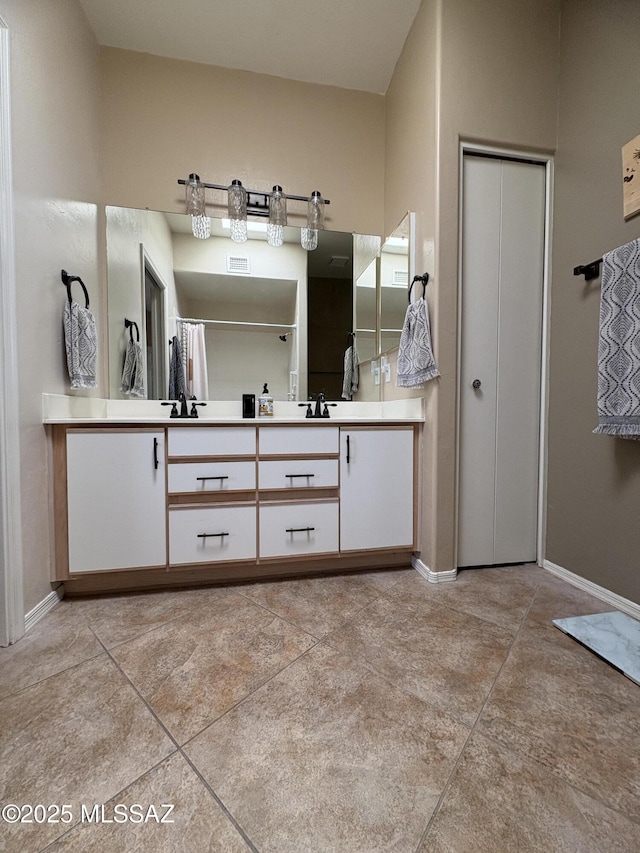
(501, 346)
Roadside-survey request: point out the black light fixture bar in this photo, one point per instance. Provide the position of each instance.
(257, 206)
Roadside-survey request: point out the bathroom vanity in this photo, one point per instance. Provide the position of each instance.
(142, 503)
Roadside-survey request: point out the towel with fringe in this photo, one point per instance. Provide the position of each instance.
(619, 344)
(351, 378)
(81, 343)
(176, 371)
(416, 363)
(133, 371)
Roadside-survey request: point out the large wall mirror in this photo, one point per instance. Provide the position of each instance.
(277, 315)
(381, 287)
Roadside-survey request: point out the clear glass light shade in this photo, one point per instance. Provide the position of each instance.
(315, 222)
(309, 238)
(200, 224)
(237, 209)
(201, 227)
(277, 217)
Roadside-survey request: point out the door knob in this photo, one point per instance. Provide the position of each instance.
(476, 384)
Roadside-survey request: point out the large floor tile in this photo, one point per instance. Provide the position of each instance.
(320, 605)
(60, 640)
(499, 595)
(499, 802)
(77, 737)
(198, 824)
(558, 703)
(117, 618)
(329, 757)
(447, 658)
(192, 670)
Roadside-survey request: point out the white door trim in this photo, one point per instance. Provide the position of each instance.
(11, 583)
(547, 161)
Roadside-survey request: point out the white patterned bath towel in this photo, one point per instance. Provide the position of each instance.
(619, 344)
(416, 363)
(81, 342)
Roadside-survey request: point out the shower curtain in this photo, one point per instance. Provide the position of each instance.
(195, 360)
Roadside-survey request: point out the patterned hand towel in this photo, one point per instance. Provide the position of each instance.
(351, 379)
(81, 342)
(133, 371)
(416, 363)
(619, 343)
(176, 371)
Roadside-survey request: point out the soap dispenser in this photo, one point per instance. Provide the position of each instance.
(265, 403)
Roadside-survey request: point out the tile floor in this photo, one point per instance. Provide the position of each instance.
(365, 713)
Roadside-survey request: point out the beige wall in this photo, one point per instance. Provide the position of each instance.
(593, 515)
(164, 118)
(55, 96)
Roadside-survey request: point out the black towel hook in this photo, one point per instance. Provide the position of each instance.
(421, 278)
(67, 281)
(129, 324)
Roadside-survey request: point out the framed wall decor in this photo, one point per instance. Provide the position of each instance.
(631, 177)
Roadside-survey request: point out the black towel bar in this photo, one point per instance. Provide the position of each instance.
(589, 271)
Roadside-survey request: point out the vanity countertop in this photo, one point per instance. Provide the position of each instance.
(62, 409)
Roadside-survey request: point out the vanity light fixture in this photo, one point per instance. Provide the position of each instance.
(200, 224)
(242, 201)
(277, 217)
(237, 208)
(315, 222)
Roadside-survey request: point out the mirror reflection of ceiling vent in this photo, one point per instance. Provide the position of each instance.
(338, 261)
(236, 263)
(400, 277)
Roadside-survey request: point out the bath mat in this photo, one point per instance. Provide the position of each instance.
(614, 636)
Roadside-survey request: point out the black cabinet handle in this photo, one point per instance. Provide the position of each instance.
(155, 454)
(299, 475)
(299, 529)
(348, 451)
(218, 477)
(209, 535)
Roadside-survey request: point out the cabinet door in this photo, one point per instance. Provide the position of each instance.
(376, 489)
(116, 497)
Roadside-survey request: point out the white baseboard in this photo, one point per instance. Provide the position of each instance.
(40, 610)
(433, 577)
(611, 598)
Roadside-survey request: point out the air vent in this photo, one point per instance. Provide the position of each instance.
(400, 278)
(338, 261)
(235, 263)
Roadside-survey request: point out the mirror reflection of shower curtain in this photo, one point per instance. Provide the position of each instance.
(195, 360)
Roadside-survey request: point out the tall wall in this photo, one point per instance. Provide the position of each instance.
(594, 481)
(483, 72)
(55, 123)
(164, 118)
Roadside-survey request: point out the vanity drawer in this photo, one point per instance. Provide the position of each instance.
(212, 441)
(307, 439)
(211, 476)
(212, 534)
(298, 474)
(294, 529)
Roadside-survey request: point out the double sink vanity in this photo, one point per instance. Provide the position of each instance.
(142, 500)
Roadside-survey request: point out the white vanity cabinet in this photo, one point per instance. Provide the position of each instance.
(143, 506)
(377, 501)
(116, 499)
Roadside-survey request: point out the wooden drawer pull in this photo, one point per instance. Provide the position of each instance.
(207, 535)
(299, 529)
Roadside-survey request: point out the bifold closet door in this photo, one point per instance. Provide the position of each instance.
(501, 357)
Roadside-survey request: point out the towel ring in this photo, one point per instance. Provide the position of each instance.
(129, 324)
(67, 281)
(421, 278)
